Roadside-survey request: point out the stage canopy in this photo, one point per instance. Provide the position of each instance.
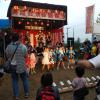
(36, 16)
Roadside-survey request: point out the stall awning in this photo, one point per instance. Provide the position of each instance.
(4, 23)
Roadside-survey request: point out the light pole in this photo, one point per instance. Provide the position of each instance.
(67, 33)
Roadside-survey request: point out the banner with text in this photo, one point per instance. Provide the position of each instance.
(89, 19)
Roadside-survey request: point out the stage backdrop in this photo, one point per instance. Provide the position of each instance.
(55, 35)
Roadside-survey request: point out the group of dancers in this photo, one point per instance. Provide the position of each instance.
(51, 57)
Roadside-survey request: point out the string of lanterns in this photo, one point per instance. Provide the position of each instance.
(30, 22)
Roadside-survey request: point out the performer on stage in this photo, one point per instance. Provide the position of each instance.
(61, 58)
(48, 40)
(40, 38)
(66, 52)
(32, 62)
(46, 59)
(71, 57)
(52, 58)
(56, 51)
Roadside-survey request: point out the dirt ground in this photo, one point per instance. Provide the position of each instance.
(61, 75)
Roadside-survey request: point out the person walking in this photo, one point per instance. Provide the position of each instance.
(19, 61)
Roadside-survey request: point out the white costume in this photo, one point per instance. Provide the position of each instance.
(45, 58)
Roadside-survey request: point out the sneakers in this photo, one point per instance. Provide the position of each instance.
(15, 98)
(34, 72)
(26, 95)
(57, 68)
(64, 68)
(68, 67)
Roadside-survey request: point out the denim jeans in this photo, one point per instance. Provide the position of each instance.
(15, 79)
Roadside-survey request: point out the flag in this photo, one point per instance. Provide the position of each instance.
(89, 19)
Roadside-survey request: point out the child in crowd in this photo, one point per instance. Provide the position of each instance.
(46, 59)
(32, 62)
(78, 83)
(61, 58)
(71, 59)
(52, 58)
(66, 52)
(28, 63)
(56, 51)
(93, 50)
(47, 91)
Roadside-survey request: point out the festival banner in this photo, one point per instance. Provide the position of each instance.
(89, 19)
(29, 12)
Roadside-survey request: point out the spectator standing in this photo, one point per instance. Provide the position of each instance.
(47, 90)
(78, 83)
(94, 49)
(19, 61)
(98, 47)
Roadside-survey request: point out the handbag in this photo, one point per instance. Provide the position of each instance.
(8, 67)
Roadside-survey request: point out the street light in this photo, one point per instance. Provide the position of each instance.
(67, 33)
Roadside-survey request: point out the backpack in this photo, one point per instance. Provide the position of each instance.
(47, 93)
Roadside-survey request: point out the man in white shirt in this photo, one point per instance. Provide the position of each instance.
(91, 63)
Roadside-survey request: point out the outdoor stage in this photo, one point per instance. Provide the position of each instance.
(61, 75)
(38, 22)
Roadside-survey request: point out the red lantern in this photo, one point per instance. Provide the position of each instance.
(35, 23)
(47, 24)
(27, 23)
(42, 23)
(19, 22)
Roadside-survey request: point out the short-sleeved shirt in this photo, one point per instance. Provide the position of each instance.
(79, 83)
(19, 57)
(95, 61)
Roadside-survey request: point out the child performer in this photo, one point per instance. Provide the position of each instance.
(45, 60)
(32, 62)
(66, 52)
(52, 58)
(61, 58)
(27, 60)
(71, 57)
(56, 51)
